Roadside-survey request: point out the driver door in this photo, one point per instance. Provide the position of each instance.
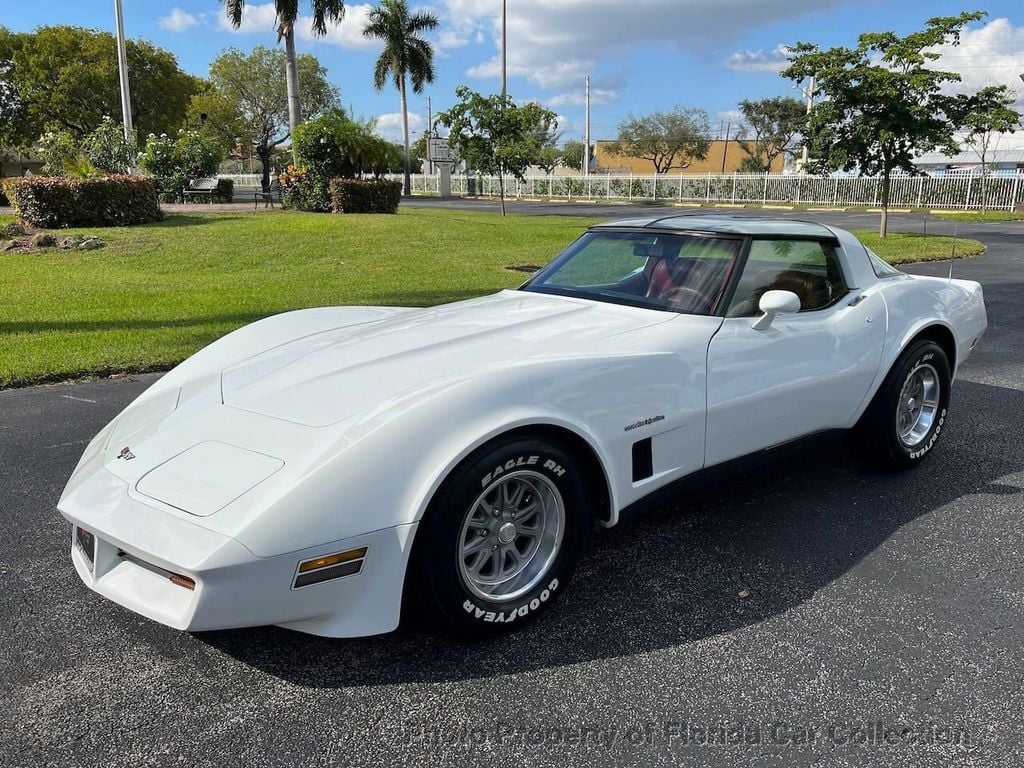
(806, 372)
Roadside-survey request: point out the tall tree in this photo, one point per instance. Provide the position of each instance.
(324, 12)
(247, 101)
(775, 122)
(883, 105)
(66, 79)
(493, 135)
(987, 115)
(406, 55)
(572, 155)
(668, 139)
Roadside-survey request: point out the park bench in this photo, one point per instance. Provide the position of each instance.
(199, 187)
(269, 196)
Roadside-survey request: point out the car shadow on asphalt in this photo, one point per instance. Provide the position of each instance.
(732, 555)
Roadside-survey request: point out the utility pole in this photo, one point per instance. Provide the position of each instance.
(725, 150)
(809, 93)
(586, 135)
(504, 50)
(430, 135)
(122, 69)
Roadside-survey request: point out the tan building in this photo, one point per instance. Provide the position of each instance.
(720, 150)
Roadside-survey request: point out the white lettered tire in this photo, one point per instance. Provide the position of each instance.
(501, 537)
(908, 414)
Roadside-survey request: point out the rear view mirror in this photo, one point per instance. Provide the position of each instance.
(774, 303)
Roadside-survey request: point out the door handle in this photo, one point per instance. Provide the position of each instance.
(857, 300)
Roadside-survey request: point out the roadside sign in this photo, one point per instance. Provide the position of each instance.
(440, 152)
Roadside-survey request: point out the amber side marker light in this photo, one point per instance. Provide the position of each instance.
(183, 581)
(328, 567)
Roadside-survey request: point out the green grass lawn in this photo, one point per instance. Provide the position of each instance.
(157, 293)
(979, 216)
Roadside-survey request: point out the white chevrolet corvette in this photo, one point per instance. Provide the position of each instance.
(312, 469)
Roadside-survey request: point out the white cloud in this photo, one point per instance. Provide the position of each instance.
(348, 33)
(774, 60)
(989, 55)
(256, 19)
(262, 19)
(554, 43)
(577, 98)
(389, 126)
(178, 21)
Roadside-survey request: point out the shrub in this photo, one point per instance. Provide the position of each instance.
(50, 202)
(303, 190)
(335, 146)
(175, 162)
(356, 196)
(225, 191)
(57, 150)
(107, 149)
(3, 193)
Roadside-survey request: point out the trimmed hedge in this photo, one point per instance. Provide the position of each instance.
(364, 196)
(51, 202)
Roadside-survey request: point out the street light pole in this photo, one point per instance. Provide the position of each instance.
(504, 50)
(586, 134)
(122, 68)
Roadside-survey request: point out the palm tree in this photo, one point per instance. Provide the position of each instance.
(405, 53)
(324, 11)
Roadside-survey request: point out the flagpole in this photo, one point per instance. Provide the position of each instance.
(122, 68)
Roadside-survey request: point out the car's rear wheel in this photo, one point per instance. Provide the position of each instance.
(501, 537)
(908, 413)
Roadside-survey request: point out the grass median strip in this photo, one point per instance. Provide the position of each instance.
(157, 293)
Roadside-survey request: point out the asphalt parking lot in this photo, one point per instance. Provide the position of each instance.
(883, 623)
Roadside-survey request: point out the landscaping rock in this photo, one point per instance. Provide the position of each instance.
(90, 244)
(8, 245)
(42, 240)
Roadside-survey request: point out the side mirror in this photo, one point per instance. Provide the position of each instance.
(775, 303)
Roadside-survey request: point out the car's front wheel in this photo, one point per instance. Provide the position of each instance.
(501, 538)
(908, 414)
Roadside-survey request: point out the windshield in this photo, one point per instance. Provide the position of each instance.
(675, 272)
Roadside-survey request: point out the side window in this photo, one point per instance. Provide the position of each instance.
(806, 267)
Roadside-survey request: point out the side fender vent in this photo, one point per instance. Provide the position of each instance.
(643, 460)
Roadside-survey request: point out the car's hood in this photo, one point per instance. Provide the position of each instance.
(326, 377)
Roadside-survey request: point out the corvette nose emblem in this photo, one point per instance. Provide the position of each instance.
(126, 454)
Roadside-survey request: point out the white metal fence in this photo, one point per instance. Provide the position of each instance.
(965, 192)
(953, 192)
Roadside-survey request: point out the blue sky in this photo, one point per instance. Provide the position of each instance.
(642, 54)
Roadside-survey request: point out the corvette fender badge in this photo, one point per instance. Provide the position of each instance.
(126, 454)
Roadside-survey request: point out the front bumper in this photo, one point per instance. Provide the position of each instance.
(138, 547)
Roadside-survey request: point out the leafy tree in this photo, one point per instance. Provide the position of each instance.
(324, 12)
(883, 104)
(335, 146)
(418, 154)
(247, 102)
(775, 122)
(406, 55)
(67, 79)
(12, 108)
(988, 114)
(572, 155)
(668, 139)
(493, 135)
(547, 158)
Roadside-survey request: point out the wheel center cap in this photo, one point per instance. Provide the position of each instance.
(507, 533)
(911, 403)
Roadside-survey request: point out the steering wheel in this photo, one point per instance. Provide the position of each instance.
(699, 300)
